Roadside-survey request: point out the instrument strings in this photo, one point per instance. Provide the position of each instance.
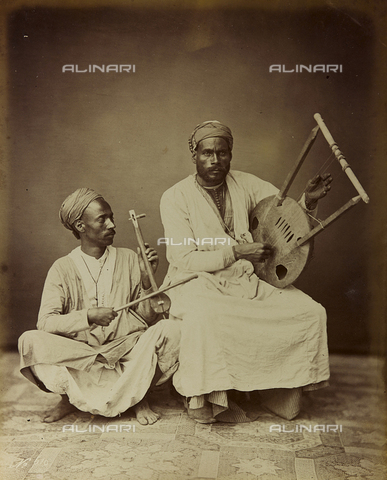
(323, 169)
(276, 235)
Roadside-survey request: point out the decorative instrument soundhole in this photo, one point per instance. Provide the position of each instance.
(280, 227)
(284, 229)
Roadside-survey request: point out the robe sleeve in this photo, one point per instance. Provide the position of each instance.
(177, 229)
(303, 205)
(54, 305)
(257, 189)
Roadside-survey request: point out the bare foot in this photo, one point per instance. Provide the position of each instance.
(62, 409)
(144, 414)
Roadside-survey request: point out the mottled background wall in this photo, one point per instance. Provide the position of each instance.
(125, 135)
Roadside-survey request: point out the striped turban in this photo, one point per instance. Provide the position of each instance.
(75, 204)
(209, 129)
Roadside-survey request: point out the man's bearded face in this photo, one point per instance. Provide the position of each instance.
(97, 224)
(212, 159)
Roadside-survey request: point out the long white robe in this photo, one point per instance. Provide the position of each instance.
(103, 370)
(237, 331)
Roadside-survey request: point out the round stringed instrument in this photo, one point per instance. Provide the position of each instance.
(281, 227)
(282, 223)
(158, 299)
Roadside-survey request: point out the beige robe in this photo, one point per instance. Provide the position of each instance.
(103, 370)
(238, 332)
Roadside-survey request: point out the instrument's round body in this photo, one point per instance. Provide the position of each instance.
(161, 303)
(281, 227)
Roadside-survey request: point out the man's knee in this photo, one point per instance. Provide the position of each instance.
(36, 341)
(169, 329)
(27, 340)
(168, 343)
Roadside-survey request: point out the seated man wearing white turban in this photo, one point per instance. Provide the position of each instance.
(98, 360)
(237, 331)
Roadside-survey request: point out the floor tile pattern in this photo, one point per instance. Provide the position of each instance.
(340, 434)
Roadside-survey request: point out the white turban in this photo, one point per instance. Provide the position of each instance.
(75, 204)
(209, 129)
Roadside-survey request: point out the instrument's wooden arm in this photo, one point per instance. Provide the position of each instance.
(324, 223)
(141, 244)
(296, 167)
(340, 157)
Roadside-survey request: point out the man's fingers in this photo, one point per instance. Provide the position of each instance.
(110, 316)
(265, 251)
(315, 180)
(153, 257)
(151, 253)
(327, 186)
(327, 177)
(327, 182)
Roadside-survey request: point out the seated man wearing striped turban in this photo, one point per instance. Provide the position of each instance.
(237, 331)
(99, 360)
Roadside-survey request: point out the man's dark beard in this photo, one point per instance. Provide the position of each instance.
(203, 174)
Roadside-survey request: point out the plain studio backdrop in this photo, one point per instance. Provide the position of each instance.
(125, 134)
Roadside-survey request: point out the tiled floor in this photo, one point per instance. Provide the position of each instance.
(342, 436)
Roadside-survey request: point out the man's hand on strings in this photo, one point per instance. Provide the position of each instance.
(254, 252)
(153, 259)
(101, 315)
(317, 188)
